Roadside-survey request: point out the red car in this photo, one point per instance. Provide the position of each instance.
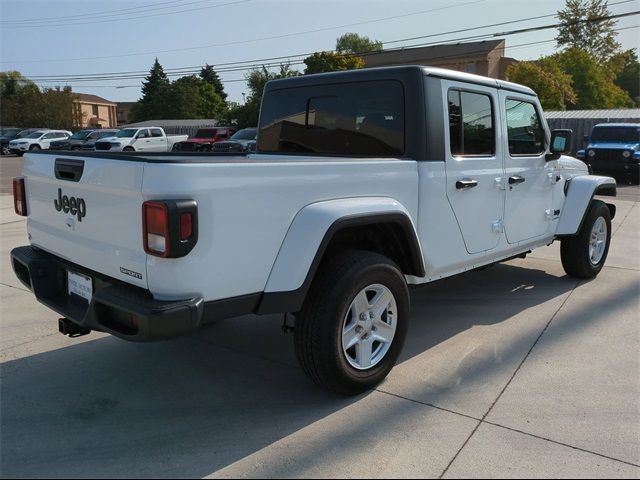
(204, 138)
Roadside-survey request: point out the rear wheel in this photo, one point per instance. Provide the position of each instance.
(583, 255)
(352, 326)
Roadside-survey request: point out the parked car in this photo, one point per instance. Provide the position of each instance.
(613, 149)
(6, 135)
(241, 141)
(145, 139)
(37, 140)
(204, 139)
(77, 140)
(364, 182)
(90, 144)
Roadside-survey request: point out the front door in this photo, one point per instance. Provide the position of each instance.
(474, 164)
(143, 141)
(529, 178)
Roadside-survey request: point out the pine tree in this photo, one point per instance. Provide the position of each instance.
(150, 106)
(209, 75)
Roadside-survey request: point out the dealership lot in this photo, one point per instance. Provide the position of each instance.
(516, 370)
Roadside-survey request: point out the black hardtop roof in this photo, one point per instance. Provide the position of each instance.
(401, 72)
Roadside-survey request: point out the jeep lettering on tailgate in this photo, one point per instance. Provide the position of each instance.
(72, 205)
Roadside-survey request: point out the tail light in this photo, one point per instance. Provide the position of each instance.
(169, 227)
(19, 197)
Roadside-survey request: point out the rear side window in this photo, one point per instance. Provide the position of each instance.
(360, 118)
(524, 130)
(156, 132)
(471, 129)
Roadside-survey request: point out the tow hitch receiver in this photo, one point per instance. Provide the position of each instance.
(67, 327)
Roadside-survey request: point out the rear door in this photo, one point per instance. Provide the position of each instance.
(529, 178)
(47, 138)
(88, 211)
(158, 140)
(474, 163)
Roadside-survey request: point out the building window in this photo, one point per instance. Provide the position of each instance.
(94, 109)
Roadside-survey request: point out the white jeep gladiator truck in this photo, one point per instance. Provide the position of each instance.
(144, 139)
(364, 183)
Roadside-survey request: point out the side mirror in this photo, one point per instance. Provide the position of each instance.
(560, 143)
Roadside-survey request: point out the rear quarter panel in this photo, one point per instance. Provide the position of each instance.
(245, 209)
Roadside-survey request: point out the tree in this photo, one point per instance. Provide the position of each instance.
(330, 62)
(209, 75)
(154, 91)
(579, 29)
(192, 97)
(553, 86)
(352, 43)
(22, 103)
(626, 67)
(592, 84)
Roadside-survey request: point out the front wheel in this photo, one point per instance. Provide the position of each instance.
(584, 254)
(128, 149)
(352, 326)
(34, 148)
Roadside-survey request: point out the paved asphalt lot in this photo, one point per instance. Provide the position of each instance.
(513, 371)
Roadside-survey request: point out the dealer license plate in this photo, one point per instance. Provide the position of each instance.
(80, 285)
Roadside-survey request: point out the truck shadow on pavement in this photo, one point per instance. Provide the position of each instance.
(195, 405)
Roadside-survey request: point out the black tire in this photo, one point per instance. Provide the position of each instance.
(5, 149)
(318, 327)
(574, 251)
(76, 149)
(128, 149)
(34, 148)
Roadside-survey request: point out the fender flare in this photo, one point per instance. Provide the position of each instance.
(311, 232)
(579, 192)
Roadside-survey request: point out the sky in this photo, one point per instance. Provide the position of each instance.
(70, 37)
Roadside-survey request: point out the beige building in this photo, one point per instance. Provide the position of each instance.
(91, 111)
(481, 58)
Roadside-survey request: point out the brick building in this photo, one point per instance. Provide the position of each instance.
(92, 111)
(482, 58)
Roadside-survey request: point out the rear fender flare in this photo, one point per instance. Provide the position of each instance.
(311, 232)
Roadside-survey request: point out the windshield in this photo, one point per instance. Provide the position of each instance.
(80, 135)
(245, 134)
(206, 133)
(126, 133)
(35, 135)
(107, 134)
(616, 134)
(9, 132)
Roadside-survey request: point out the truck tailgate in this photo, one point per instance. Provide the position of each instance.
(88, 211)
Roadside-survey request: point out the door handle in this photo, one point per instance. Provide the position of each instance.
(516, 179)
(466, 184)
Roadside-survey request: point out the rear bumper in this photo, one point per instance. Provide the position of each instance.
(122, 310)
